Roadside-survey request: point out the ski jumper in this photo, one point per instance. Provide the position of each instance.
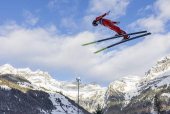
(110, 24)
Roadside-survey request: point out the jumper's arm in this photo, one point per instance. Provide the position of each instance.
(100, 17)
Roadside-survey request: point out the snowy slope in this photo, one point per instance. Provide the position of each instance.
(13, 101)
(63, 106)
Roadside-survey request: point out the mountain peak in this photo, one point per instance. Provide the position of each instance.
(93, 84)
(7, 66)
(163, 60)
(25, 72)
(6, 69)
(131, 78)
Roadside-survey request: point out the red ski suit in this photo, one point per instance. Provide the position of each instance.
(110, 24)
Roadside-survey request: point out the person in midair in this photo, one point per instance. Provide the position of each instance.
(110, 24)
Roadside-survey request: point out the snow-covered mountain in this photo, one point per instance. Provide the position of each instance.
(42, 81)
(146, 95)
(130, 95)
(34, 85)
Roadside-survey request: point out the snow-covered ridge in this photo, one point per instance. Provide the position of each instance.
(133, 92)
(40, 80)
(26, 72)
(92, 94)
(5, 87)
(161, 68)
(126, 87)
(126, 83)
(163, 60)
(44, 79)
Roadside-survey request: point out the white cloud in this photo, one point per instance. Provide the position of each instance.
(42, 48)
(66, 11)
(51, 4)
(151, 23)
(52, 29)
(64, 7)
(162, 9)
(143, 11)
(148, 7)
(134, 60)
(117, 7)
(55, 4)
(155, 22)
(70, 24)
(30, 18)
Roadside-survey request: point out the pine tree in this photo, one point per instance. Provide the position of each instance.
(98, 110)
(157, 104)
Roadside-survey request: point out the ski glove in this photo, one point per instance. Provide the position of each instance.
(108, 12)
(118, 22)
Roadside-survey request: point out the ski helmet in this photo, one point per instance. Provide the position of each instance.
(94, 23)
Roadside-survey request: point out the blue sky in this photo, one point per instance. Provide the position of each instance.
(48, 35)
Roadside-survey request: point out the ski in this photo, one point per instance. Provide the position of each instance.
(114, 37)
(122, 42)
